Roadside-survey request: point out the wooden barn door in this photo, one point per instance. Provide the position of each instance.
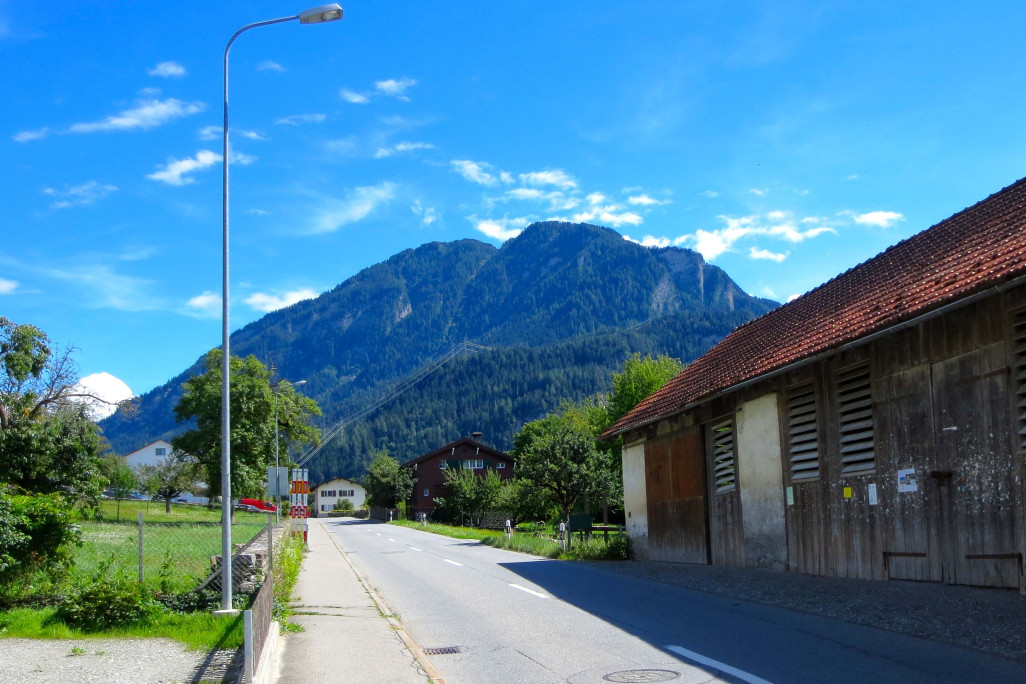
(675, 490)
(974, 472)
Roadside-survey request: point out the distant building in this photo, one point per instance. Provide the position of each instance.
(156, 452)
(429, 469)
(327, 494)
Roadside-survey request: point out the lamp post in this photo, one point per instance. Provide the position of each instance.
(277, 493)
(316, 15)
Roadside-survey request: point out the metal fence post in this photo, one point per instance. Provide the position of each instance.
(140, 547)
(247, 640)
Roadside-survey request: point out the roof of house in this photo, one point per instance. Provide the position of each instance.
(977, 248)
(336, 479)
(485, 449)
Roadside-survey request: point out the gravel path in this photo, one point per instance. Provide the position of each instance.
(102, 661)
(990, 620)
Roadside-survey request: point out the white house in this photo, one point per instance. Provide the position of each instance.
(154, 453)
(328, 493)
(151, 454)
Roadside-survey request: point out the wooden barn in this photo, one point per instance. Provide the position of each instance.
(873, 428)
(467, 453)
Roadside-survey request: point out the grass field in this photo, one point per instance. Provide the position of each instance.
(177, 546)
(529, 542)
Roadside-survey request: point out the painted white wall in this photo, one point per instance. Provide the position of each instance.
(148, 455)
(358, 498)
(761, 482)
(635, 500)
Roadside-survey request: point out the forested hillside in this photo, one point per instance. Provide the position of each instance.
(560, 307)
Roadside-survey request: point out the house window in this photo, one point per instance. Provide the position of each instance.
(499, 465)
(322, 505)
(473, 464)
(1019, 373)
(442, 465)
(160, 451)
(427, 492)
(721, 441)
(803, 432)
(855, 419)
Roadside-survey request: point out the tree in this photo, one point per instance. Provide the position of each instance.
(47, 441)
(470, 494)
(557, 455)
(521, 500)
(388, 482)
(121, 479)
(171, 476)
(639, 379)
(252, 422)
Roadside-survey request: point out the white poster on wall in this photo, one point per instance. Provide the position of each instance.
(907, 480)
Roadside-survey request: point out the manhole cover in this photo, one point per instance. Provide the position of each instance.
(450, 650)
(642, 676)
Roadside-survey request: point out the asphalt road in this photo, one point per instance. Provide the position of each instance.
(518, 618)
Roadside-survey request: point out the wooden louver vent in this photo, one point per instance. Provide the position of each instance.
(721, 436)
(803, 432)
(1019, 373)
(855, 419)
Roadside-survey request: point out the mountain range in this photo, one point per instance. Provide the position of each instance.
(454, 337)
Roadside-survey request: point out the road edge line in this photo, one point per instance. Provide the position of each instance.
(433, 675)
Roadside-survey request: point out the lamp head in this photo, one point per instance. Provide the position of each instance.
(320, 15)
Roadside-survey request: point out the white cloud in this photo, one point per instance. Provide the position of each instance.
(428, 215)
(145, 115)
(853, 176)
(269, 65)
(880, 219)
(357, 205)
(8, 286)
(782, 226)
(475, 172)
(402, 147)
(596, 198)
(500, 229)
(214, 133)
(645, 201)
(79, 195)
(267, 303)
(108, 389)
(560, 179)
(297, 119)
(25, 136)
(610, 215)
(109, 289)
(168, 70)
(758, 192)
(174, 172)
(791, 298)
(649, 241)
(395, 87)
(353, 96)
(206, 305)
(758, 253)
(709, 193)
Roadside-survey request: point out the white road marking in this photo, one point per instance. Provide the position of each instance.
(529, 591)
(453, 562)
(416, 549)
(722, 667)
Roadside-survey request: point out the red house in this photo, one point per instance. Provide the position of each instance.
(468, 453)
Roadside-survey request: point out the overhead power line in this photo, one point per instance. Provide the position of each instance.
(411, 380)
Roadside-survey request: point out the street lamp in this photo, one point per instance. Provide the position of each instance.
(277, 493)
(316, 15)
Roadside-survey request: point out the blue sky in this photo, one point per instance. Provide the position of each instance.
(786, 141)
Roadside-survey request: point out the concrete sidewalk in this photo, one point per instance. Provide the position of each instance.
(346, 637)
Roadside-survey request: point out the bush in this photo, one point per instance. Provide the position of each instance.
(107, 603)
(343, 505)
(36, 535)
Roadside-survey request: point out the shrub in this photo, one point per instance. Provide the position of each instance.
(36, 534)
(343, 505)
(106, 603)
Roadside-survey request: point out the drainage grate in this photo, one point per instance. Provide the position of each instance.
(633, 676)
(444, 650)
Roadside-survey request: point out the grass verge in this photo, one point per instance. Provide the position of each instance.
(287, 563)
(195, 630)
(525, 542)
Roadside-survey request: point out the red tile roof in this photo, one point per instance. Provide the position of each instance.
(977, 248)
